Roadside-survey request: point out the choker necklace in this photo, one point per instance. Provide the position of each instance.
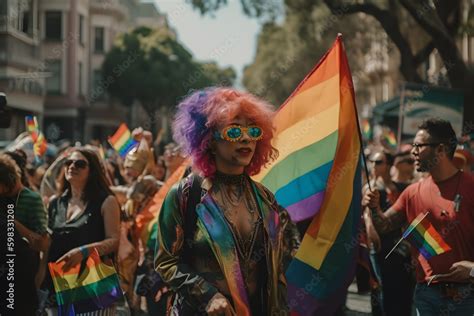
(233, 189)
(229, 179)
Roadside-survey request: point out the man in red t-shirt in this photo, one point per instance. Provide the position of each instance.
(444, 282)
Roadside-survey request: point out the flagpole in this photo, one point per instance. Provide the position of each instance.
(398, 243)
(362, 148)
(339, 35)
(405, 235)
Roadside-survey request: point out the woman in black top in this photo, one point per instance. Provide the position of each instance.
(85, 216)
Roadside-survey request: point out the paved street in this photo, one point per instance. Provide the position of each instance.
(357, 304)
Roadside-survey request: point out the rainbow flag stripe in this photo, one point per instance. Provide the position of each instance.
(92, 288)
(40, 145)
(391, 138)
(317, 178)
(366, 130)
(122, 141)
(146, 222)
(31, 125)
(424, 237)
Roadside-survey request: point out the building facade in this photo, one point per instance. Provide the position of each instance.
(21, 74)
(57, 47)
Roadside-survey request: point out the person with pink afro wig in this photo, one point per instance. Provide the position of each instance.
(220, 245)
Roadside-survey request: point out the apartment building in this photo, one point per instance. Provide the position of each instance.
(63, 43)
(21, 74)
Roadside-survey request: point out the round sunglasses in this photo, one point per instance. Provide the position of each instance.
(234, 133)
(79, 163)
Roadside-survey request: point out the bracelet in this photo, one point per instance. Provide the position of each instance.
(84, 251)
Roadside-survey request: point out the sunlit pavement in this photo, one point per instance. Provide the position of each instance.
(357, 304)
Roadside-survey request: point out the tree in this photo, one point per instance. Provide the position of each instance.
(438, 21)
(287, 50)
(151, 66)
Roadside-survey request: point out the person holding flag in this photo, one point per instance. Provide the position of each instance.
(440, 209)
(396, 282)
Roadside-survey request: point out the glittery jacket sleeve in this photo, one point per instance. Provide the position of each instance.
(170, 240)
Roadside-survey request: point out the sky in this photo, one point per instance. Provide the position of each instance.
(229, 38)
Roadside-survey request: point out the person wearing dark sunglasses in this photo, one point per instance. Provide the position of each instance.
(84, 216)
(445, 198)
(396, 282)
(218, 247)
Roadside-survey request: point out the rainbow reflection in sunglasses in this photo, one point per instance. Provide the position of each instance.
(234, 133)
(79, 163)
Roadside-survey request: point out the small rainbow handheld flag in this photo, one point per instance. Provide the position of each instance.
(31, 125)
(122, 141)
(85, 290)
(366, 130)
(40, 145)
(422, 235)
(391, 138)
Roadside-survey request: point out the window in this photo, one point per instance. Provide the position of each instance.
(79, 70)
(98, 88)
(99, 40)
(53, 82)
(53, 29)
(81, 29)
(25, 25)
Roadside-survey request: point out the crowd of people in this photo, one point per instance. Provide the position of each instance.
(191, 233)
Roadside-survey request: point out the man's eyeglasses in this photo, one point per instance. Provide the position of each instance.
(234, 133)
(421, 145)
(79, 163)
(377, 162)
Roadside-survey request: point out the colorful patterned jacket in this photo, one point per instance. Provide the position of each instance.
(213, 248)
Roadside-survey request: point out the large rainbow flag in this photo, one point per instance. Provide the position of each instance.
(317, 178)
(424, 237)
(94, 287)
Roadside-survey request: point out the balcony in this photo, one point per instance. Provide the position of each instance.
(109, 7)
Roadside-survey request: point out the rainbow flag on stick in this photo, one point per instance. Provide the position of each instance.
(424, 237)
(94, 287)
(317, 178)
(40, 145)
(391, 138)
(122, 140)
(366, 130)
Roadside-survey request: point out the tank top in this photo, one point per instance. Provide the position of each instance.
(84, 229)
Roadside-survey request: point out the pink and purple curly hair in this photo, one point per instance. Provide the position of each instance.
(201, 113)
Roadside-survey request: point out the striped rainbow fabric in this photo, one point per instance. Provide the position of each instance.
(94, 288)
(122, 140)
(146, 222)
(424, 237)
(317, 178)
(40, 145)
(391, 138)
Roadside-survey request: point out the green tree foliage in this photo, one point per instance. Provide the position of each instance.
(415, 28)
(151, 66)
(288, 50)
